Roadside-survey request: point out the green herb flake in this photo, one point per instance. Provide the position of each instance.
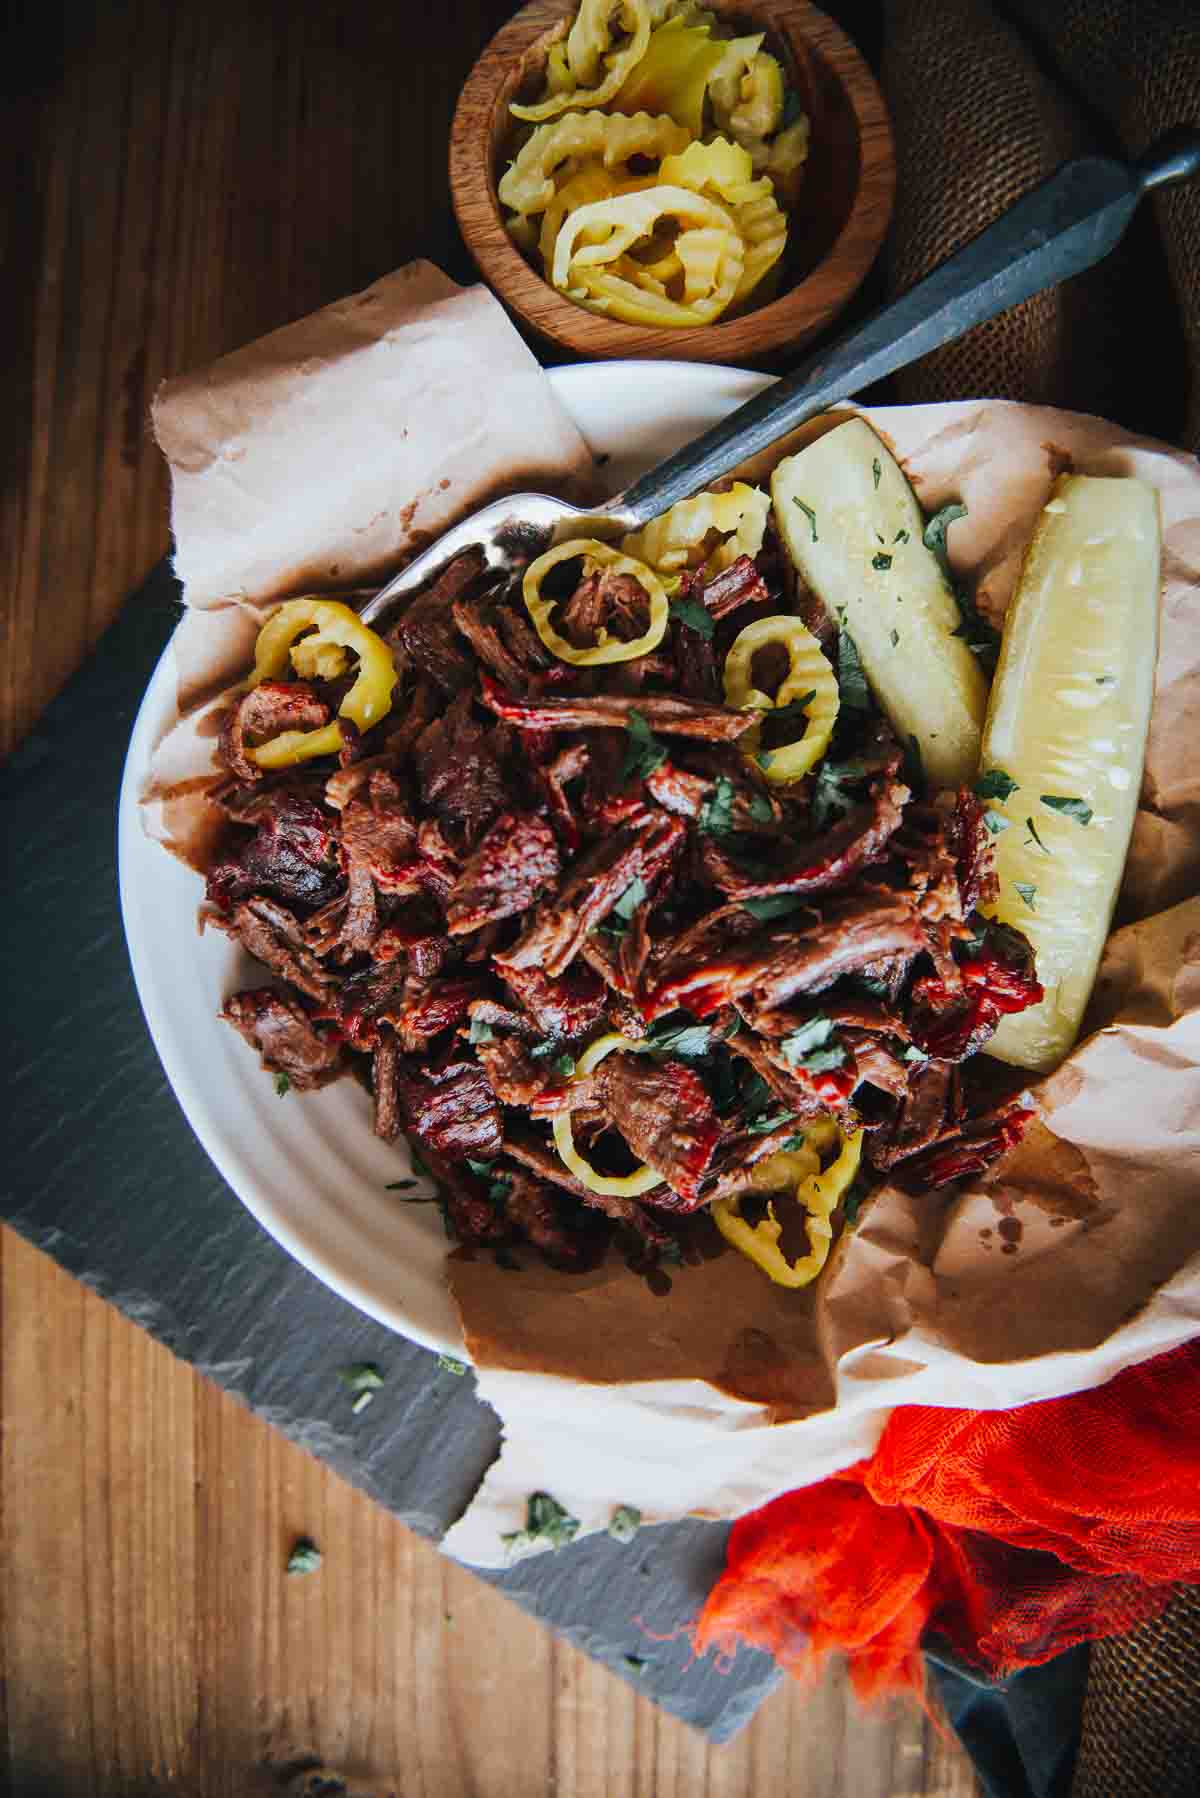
(934, 537)
(695, 615)
(995, 822)
(900, 537)
(643, 751)
(995, 784)
(451, 1364)
(1078, 809)
(810, 515)
(852, 682)
(674, 1038)
(912, 1053)
(1027, 893)
(305, 1556)
(895, 639)
(482, 1169)
(480, 1032)
(1106, 680)
(778, 906)
(400, 1186)
(764, 758)
(282, 1084)
(545, 1521)
(634, 1663)
(881, 561)
(765, 1122)
(362, 1380)
(1034, 837)
(624, 1523)
(830, 800)
(631, 898)
(876, 472)
(812, 1047)
(716, 814)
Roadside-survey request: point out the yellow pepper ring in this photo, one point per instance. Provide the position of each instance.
(595, 555)
(621, 1186)
(369, 699)
(808, 672)
(819, 1193)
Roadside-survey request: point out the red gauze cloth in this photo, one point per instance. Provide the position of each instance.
(1013, 1534)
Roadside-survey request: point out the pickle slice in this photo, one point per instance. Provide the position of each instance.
(1067, 722)
(854, 529)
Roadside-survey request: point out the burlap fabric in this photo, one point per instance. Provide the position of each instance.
(986, 102)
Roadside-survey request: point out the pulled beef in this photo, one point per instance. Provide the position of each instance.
(379, 830)
(515, 863)
(823, 862)
(415, 935)
(608, 711)
(969, 1148)
(450, 1108)
(740, 1151)
(287, 1039)
(951, 1020)
(972, 847)
(568, 765)
(678, 791)
(293, 855)
(385, 1071)
(876, 1065)
(503, 1017)
(513, 1075)
(542, 1161)
(921, 1116)
(264, 712)
(269, 932)
(567, 1008)
(460, 772)
(478, 619)
(420, 710)
(427, 1008)
(426, 632)
(532, 1209)
(738, 585)
(608, 601)
(795, 1094)
(598, 879)
(695, 662)
(364, 997)
(667, 1118)
(773, 968)
(342, 785)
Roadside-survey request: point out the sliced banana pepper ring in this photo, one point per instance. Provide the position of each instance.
(673, 76)
(738, 516)
(595, 555)
(808, 672)
(323, 655)
(528, 185)
(818, 1192)
(621, 1186)
(589, 46)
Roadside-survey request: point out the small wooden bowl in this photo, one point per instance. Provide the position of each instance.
(836, 230)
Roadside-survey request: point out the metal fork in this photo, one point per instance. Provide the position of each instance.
(1064, 226)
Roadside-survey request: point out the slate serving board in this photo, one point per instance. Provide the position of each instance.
(182, 1257)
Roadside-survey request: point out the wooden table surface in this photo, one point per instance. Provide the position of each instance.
(183, 178)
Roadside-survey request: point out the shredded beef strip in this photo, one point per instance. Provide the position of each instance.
(605, 600)
(264, 712)
(796, 1095)
(477, 619)
(516, 861)
(427, 1008)
(569, 764)
(502, 1017)
(273, 936)
(287, 1039)
(973, 849)
(738, 585)
(876, 1065)
(922, 1114)
(773, 968)
(823, 862)
(450, 1108)
(969, 1148)
(426, 632)
(532, 1208)
(460, 772)
(568, 1007)
(419, 710)
(540, 1160)
(607, 711)
(695, 660)
(595, 883)
(513, 1075)
(385, 1070)
(293, 855)
(667, 1118)
(954, 1020)
(740, 1152)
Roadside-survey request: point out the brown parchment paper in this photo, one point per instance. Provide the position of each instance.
(1075, 1256)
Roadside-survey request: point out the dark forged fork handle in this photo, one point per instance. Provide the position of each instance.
(1064, 226)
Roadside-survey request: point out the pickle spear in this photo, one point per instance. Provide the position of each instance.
(1065, 740)
(854, 529)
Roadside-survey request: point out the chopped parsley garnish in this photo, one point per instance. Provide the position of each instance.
(900, 537)
(778, 906)
(1028, 893)
(480, 1032)
(305, 1556)
(643, 751)
(810, 515)
(716, 814)
(362, 1379)
(913, 767)
(852, 682)
(451, 1364)
(874, 989)
(934, 538)
(282, 1084)
(695, 615)
(634, 1663)
(1078, 809)
(631, 898)
(545, 1521)
(881, 561)
(895, 638)
(829, 797)
(557, 1056)
(876, 472)
(795, 712)
(399, 1186)
(624, 1523)
(765, 1122)
(995, 822)
(912, 1053)
(483, 1169)
(1033, 834)
(1106, 680)
(995, 784)
(813, 1047)
(668, 1037)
